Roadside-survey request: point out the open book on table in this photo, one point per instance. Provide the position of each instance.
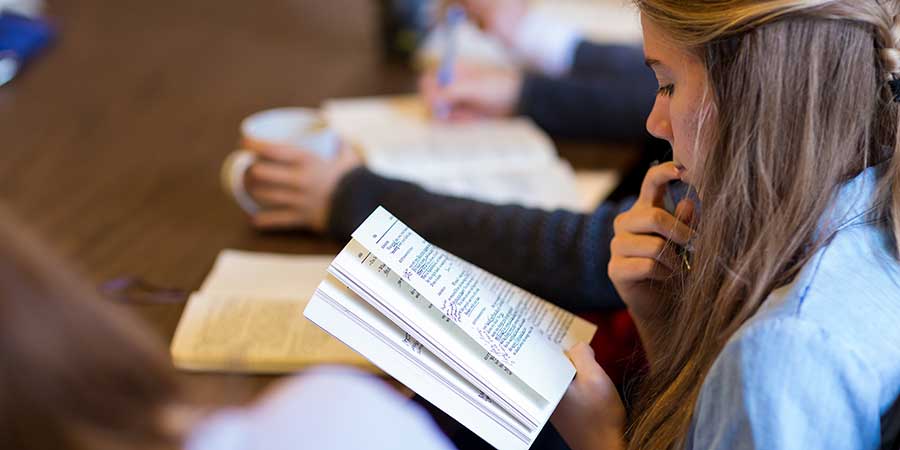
(508, 160)
(246, 318)
(484, 351)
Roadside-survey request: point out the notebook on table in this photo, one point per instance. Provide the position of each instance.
(499, 161)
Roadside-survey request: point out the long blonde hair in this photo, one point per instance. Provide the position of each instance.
(801, 103)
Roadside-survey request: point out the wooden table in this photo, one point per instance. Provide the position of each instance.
(112, 141)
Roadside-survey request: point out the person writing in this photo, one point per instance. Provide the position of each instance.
(571, 86)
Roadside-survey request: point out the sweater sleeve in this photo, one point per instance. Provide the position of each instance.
(561, 256)
(608, 96)
(615, 60)
(602, 108)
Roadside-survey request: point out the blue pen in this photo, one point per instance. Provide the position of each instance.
(21, 38)
(455, 16)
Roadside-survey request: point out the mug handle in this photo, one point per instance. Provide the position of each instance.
(232, 177)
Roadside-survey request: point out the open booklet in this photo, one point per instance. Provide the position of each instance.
(484, 351)
(493, 160)
(245, 318)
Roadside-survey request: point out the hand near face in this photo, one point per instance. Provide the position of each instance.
(295, 187)
(476, 92)
(643, 251)
(590, 414)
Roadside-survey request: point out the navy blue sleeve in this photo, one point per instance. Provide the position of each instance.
(561, 256)
(608, 95)
(592, 59)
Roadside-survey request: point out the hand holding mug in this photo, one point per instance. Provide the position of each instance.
(296, 187)
(288, 169)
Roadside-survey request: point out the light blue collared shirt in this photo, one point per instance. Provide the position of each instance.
(819, 364)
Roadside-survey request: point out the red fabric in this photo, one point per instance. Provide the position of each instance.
(616, 344)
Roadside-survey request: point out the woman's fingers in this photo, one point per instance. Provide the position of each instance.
(684, 212)
(646, 246)
(276, 196)
(475, 91)
(653, 220)
(653, 189)
(636, 270)
(428, 87)
(263, 173)
(463, 114)
(298, 192)
(582, 356)
(289, 155)
(459, 96)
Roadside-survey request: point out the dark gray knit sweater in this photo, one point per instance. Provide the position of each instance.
(560, 255)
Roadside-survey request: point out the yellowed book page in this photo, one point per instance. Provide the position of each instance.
(249, 318)
(266, 274)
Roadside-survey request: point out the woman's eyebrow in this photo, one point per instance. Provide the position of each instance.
(652, 63)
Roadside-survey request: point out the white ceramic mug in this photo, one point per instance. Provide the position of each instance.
(301, 129)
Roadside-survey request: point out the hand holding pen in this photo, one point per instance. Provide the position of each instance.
(477, 92)
(465, 91)
(454, 16)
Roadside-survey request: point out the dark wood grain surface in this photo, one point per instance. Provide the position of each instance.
(112, 141)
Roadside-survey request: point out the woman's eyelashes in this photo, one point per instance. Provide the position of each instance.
(666, 90)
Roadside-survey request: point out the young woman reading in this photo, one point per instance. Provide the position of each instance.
(769, 310)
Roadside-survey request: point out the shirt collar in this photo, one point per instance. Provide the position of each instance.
(854, 203)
